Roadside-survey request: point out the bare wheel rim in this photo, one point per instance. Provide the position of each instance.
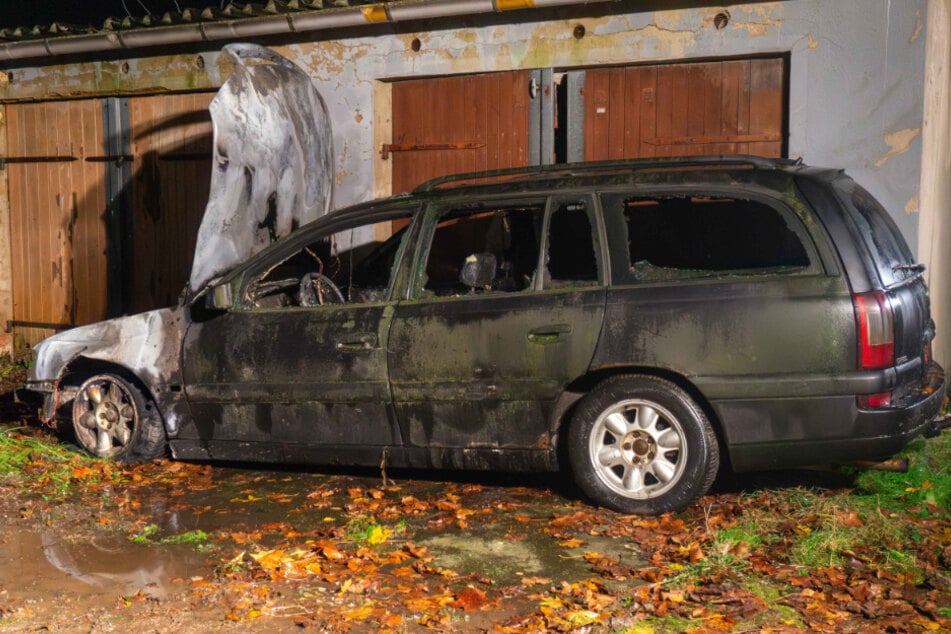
(637, 449)
(104, 416)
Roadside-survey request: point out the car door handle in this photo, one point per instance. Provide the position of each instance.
(552, 333)
(357, 342)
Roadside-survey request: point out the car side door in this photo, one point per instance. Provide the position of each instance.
(296, 368)
(503, 313)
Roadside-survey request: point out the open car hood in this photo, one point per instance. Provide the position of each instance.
(273, 160)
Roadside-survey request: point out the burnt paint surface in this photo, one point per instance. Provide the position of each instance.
(463, 370)
(273, 160)
(291, 375)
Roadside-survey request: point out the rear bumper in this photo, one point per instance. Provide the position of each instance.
(781, 433)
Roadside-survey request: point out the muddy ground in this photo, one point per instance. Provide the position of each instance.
(176, 547)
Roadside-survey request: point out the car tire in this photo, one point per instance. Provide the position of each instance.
(114, 419)
(639, 444)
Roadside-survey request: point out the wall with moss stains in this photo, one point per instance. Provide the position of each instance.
(856, 74)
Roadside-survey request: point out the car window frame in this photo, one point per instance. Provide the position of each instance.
(435, 209)
(273, 255)
(819, 259)
(593, 211)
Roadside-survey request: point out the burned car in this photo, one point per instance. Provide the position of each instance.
(639, 323)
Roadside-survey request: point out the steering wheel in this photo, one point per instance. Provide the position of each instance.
(316, 289)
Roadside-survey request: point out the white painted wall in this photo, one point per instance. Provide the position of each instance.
(856, 84)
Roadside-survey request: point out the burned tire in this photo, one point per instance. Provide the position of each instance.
(113, 419)
(640, 444)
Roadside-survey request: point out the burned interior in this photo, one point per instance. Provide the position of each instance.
(500, 249)
(333, 269)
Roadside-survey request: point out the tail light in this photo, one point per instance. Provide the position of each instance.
(876, 340)
(876, 331)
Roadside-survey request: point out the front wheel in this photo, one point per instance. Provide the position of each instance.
(113, 419)
(640, 444)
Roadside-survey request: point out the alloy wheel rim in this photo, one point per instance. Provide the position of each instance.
(104, 417)
(637, 449)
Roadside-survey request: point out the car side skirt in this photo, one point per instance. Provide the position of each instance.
(469, 458)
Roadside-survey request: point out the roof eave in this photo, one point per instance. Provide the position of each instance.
(255, 27)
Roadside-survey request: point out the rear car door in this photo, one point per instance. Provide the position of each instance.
(296, 370)
(477, 360)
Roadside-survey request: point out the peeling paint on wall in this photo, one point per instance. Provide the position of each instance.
(899, 142)
(912, 206)
(168, 73)
(759, 19)
(918, 27)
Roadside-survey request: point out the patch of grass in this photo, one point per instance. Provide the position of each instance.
(824, 547)
(658, 625)
(189, 537)
(148, 533)
(715, 565)
(145, 535)
(365, 530)
(42, 464)
(735, 537)
(925, 488)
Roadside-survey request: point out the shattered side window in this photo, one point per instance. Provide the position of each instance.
(681, 237)
(486, 250)
(571, 259)
(351, 266)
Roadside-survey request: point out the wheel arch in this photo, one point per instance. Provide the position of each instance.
(82, 367)
(577, 389)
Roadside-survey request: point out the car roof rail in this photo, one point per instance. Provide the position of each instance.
(577, 169)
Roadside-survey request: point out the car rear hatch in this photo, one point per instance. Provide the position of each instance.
(894, 320)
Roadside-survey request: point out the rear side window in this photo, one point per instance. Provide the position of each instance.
(888, 248)
(682, 237)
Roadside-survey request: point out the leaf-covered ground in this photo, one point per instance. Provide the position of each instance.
(344, 551)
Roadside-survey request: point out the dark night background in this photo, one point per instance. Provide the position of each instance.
(30, 13)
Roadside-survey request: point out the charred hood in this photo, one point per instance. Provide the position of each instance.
(273, 160)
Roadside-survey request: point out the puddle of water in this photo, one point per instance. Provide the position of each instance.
(45, 565)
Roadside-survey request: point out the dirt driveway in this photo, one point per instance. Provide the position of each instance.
(86, 546)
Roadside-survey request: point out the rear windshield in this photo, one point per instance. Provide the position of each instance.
(888, 248)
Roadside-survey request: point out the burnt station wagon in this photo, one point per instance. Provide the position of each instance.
(641, 323)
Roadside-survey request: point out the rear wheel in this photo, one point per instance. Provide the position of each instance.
(113, 419)
(640, 444)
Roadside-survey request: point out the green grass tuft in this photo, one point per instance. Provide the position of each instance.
(925, 488)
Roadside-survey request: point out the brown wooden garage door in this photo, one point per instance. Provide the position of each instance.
(64, 234)
(57, 203)
(686, 109)
(449, 125)
(171, 148)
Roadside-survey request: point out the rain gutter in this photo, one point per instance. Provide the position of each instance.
(254, 27)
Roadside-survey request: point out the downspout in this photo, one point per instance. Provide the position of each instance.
(934, 230)
(298, 22)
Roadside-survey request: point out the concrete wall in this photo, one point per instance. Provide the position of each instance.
(856, 76)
